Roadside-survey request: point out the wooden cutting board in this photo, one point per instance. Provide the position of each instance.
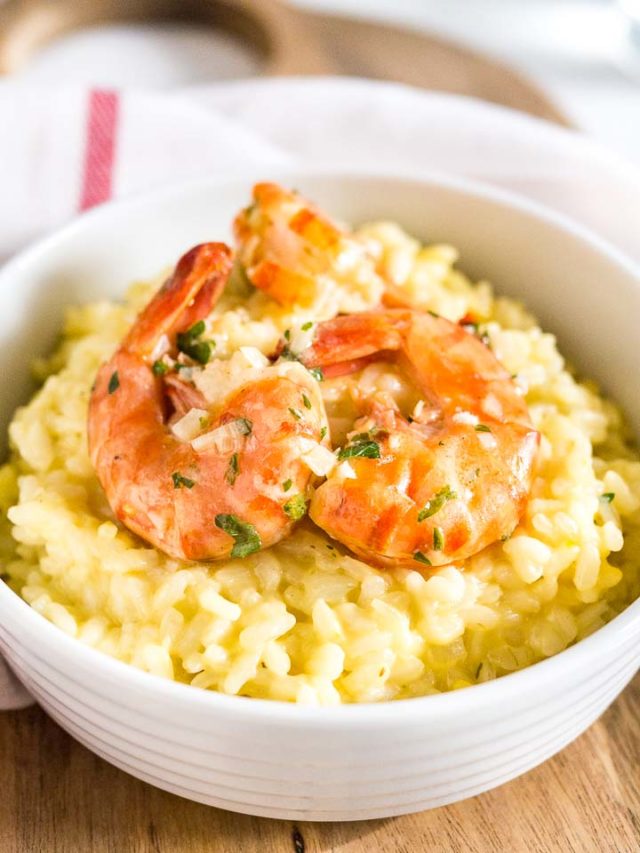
(57, 796)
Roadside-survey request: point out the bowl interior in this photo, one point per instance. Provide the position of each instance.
(581, 290)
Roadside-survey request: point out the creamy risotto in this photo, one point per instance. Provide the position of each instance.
(304, 620)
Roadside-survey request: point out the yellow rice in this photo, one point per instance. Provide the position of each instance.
(304, 621)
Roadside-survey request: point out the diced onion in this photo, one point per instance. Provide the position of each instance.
(254, 357)
(317, 458)
(345, 471)
(487, 440)
(301, 339)
(189, 425)
(465, 418)
(227, 438)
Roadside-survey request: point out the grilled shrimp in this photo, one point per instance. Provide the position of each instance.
(291, 251)
(439, 485)
(240, 484)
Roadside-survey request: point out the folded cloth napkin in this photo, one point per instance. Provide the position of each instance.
(63, 151)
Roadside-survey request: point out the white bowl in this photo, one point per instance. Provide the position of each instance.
(356, 761)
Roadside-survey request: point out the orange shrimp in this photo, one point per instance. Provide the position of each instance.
(290, 250)
(440, 485)
(212, 497)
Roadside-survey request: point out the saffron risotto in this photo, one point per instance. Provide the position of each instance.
(304, 621)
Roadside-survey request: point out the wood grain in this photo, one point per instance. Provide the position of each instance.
(58, 797)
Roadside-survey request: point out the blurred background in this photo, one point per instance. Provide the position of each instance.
(573, 61)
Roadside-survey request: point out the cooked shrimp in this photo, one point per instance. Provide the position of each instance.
(439, 485)
(235, 488)
(291, 251)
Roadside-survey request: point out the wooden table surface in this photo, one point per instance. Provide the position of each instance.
(57, 797)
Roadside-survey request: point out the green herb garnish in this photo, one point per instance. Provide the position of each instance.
(323, 432)
(436, 503)
(296, 414)
(196, 330)
(360, 445)
(306, 326)
(317, 373)
(159, 368)
(419, 557)
(287, 485)
(187, 342)
(438, 539)
(288, 355)
(180, 482)
(296, 507)
(287, 334)
(233, 470)
(607, 497)
(306, 401)
(244, 425)
(482, 428)
(433, 313)
(247, 540)
(114, 382)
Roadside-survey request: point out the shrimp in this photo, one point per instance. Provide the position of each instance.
(238, 487)
(291, 251)
(442, 484)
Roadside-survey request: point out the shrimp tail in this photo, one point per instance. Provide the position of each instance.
(187, 296)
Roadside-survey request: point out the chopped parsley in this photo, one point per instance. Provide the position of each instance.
(296, 507)
(288, 355)
(196, 330)
(306, 326)
(323, 432)
(233, 470)
(159, 368)
(189, 344)
(360, 445)
(244, 425)
(482, 428)
(438, 539)
(114, 382)
(246, 537)
(306, 401)
(287, 334)
(419, 557)
(180, 482)
(607, 497)
(317, 373)
(287, 485)
(296, 414)
(433, 313)
(436, 503)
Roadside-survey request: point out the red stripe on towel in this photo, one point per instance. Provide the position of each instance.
(102, 123)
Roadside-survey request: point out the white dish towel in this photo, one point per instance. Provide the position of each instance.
(63, 151)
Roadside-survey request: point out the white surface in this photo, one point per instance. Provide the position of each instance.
(289, 761)
(145, 56)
